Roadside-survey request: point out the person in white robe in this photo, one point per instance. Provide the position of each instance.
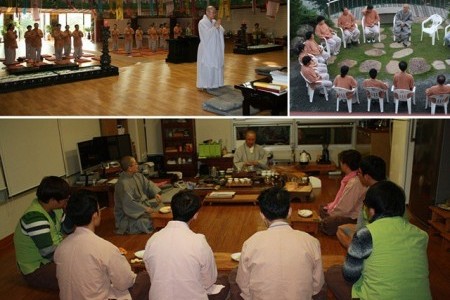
(210, 54)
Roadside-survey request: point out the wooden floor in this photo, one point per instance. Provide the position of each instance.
(226, 227)
(146, 86)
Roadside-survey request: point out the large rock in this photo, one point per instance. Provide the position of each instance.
(402, 53)
(447, 61)
(375, 52)
(369, 64)
(348, 62)
(303, 29)
(392, 67)
(418, 65)
(383, 37)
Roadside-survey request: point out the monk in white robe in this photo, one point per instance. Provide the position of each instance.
(210, 55)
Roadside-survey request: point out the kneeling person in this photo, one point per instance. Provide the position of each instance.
(280, 262)
(89, 267)
(180, 262)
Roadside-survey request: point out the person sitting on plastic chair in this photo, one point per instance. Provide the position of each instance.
(371, 21)
(324, 31)
(347, 22)
(402, 26)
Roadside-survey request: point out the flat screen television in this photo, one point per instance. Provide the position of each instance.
(88, 156)
(113, 148)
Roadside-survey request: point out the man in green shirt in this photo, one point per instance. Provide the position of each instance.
(39, 232)
(387, 259)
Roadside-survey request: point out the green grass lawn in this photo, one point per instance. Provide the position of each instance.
(422, 49)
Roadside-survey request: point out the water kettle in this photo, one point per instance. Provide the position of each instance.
(305, 157)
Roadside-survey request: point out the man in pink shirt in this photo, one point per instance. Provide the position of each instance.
(345, 81)
(403, 80)
(311, 47)
(324, 31)
(280, 262)
(180, 262)
(313, 76)
(371, 27)
(438, 89)
(347, 204)
(89, 267)
(374, 82)
(347, 22)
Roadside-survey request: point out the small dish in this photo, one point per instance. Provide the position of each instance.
(165, 210)
(236, 256)
(305, 213)
(139, 254)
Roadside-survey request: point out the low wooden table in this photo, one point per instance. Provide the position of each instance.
(309, 225)
(160, 220)
(260, 99)
(237, 198)
(297, 191)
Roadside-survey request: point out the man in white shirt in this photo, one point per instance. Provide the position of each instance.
(280, 262)
(250, 156)
(180, 262)
(89, 267)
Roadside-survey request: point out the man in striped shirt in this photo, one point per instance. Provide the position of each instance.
(39, 232)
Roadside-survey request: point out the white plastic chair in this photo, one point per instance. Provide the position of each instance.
(402, 95)
(343, 37)
(374, 93)
(393, 34)
(324, 44)
(447, 30)
(364, 32)
(432, 31)
(439, 100)
(341, 95)
(311, 90)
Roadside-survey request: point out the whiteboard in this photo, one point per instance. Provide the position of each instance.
(30, 149)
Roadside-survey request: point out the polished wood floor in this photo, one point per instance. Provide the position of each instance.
(146, 86)
(226, 227)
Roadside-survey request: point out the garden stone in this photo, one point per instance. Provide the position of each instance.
(438, 65)
(378, 45)
(369, 64)
(418, 65)
(348, 62)
(402, 53)
(396, 45)
(392, 67)
(375, 52)
(447, 61)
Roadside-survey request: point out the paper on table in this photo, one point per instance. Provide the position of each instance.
(214, 289)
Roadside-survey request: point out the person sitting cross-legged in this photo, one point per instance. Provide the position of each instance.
(280, 262)
(347, 204)
(387, 259)
(180, 262)
(90, 267)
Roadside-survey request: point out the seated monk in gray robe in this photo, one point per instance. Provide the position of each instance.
(402, 26)
(135, 198)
